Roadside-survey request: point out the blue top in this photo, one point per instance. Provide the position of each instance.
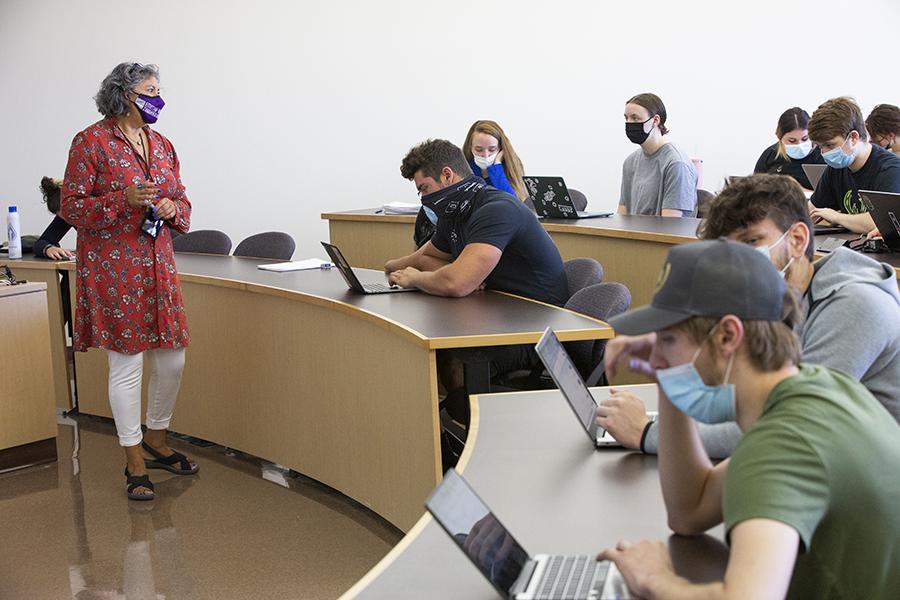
(496, 177)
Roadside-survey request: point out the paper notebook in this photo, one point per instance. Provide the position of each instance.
(297, 265)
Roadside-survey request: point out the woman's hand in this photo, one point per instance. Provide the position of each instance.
(140, 195)
(57, 253)
(499, 158)
(165, 209)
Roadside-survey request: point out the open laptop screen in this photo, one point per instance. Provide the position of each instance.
(472, 525)
(568, 380)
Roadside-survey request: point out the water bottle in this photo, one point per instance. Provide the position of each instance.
(12, 233)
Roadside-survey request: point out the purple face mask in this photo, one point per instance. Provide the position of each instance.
(149, 107)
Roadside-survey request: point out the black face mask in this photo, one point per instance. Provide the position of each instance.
(635, 132)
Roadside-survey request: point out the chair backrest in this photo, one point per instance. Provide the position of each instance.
(601, 301)
(269, 244)
(582, 272)
(703, 199)
(205, 241)
(578, 199)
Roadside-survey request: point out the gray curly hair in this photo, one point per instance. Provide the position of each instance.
(111, 100)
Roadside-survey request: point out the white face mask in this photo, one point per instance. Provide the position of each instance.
(798, 151)
(484, 162)
(767, 250)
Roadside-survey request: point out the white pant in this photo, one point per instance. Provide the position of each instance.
(125, 373)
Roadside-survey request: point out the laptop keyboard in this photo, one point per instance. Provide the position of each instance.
(571, 578)
(377, 287)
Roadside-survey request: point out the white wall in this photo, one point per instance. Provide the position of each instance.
(280, 110)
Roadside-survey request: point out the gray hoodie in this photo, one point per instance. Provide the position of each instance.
(851, 324)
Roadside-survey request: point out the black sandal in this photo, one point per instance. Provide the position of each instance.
(184, 466)
(133, 482)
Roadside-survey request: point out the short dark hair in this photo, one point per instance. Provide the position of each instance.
(837, 117)
(431, 156)
(884, 120)
(654, 106)
(50, 191)
(749, 200)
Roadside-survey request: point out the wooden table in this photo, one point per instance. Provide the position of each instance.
(47, 271)
(632, 249)
(530, 461)
(27, 413)
(342, 387)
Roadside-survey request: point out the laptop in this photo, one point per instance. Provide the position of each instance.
(551, 199)
(513, 572)
(885, 210)
(576, 393)
(814, 173)
(352, 280)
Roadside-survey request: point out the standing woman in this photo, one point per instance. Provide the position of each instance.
(491, 156)
(792, 150)
(122, 190)
(658, 178)
(883, 124)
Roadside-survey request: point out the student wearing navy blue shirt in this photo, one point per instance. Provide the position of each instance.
(485, 238)
(853, 164)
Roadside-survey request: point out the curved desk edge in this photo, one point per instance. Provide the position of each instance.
(613, 232)
(426, 518)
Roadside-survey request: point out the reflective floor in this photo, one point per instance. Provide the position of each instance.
(238, 529)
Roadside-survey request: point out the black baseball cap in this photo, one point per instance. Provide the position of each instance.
(709, 279)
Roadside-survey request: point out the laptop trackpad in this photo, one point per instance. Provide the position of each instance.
(614, 587)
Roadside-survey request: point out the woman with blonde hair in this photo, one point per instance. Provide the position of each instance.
(491, 156)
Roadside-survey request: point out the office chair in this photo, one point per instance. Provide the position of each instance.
(270, 244)
(204, 241)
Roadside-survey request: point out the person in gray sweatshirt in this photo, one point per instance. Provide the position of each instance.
(850, 304)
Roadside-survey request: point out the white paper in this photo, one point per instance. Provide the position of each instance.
(401, 208)
(297, 265)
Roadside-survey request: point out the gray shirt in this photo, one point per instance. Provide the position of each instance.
(852, 324)
(665, 179)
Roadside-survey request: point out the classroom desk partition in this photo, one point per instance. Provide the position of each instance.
(631, 248)
(47, 271)
(531, 462)
(342, 387)
(27, 416)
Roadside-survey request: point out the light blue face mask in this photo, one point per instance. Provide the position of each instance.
(705, 403)
(432, 216)
(798, 151)
(767, 251)
(836, 158)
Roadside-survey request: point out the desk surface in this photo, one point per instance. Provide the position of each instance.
(481, 319)
(531, 462)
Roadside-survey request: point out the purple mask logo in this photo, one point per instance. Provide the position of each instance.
(149, 107)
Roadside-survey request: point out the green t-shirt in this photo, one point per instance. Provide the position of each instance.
(824, 458)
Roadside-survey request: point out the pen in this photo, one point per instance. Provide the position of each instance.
(378, 211)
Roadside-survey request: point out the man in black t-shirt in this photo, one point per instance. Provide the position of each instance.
(483, 235)
(853, 164)
(484, 238)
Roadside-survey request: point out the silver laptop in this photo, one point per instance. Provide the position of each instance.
(551, 199)
(814, 173)
(513, 572)
(576, 393)
(353, 282)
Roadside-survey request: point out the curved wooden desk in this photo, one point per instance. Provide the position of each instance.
(631, 249)
(531, 462)
(296, 369)
(48, 271)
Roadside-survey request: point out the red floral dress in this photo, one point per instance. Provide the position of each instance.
(128, 298)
